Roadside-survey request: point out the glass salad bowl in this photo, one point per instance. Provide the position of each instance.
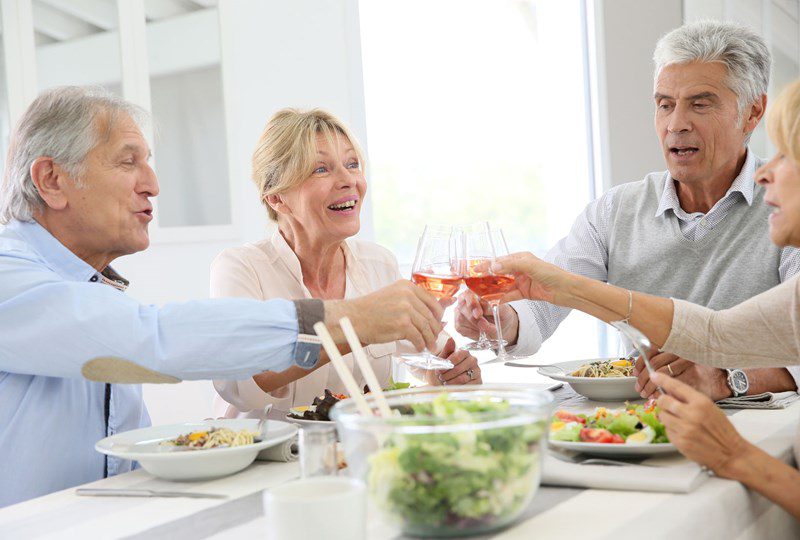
(452, 461)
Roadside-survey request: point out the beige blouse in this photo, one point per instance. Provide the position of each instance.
(763, 331)
(270, 269)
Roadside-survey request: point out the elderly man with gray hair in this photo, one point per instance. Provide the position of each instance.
(697, 231)
(76, 196)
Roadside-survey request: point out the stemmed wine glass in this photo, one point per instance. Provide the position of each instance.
(435, 270)
(483, 342)
(483, 244)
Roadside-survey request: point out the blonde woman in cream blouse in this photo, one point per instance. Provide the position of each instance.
(308, 169)
(764, 331)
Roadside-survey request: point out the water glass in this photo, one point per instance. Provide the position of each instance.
(318, 451)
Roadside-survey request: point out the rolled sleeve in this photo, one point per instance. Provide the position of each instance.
(530, 340)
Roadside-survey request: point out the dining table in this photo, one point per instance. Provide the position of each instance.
(717, 508)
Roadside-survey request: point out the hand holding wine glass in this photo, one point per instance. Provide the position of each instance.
(481, 246)
(435, 270)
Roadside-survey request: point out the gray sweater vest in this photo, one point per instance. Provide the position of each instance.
(731, 263)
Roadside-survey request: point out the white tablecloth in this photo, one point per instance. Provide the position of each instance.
(717, 509)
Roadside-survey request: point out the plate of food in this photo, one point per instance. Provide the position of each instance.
(318, 412)
(196, 451)
(600, 379)
(633, 431)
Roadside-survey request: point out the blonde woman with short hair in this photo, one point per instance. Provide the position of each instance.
(308, 169)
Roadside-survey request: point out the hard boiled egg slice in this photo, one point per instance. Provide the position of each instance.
(645, 436)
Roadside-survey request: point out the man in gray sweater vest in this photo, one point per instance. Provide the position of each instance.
(698, 231)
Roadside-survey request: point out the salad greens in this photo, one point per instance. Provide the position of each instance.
(635, 424)
(451, 481)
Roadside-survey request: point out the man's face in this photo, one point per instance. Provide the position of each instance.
(110, 210)
(697, 121)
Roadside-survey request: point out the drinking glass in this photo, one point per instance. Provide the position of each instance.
(483, 343)
(318, 451)
(435, 270)
(483, 244)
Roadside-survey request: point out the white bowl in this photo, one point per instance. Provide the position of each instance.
(594, 388)
(143, 445)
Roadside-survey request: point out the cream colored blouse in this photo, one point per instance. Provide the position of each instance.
(270, 269)
(763, 331)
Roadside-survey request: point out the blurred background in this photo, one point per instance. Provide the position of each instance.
(515, 111)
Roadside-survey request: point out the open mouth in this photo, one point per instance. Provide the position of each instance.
(343, 206)
(683, 150)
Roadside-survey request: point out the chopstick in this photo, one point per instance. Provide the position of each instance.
(341, 368)
(366, 367)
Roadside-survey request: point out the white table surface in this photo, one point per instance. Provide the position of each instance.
(717, 509)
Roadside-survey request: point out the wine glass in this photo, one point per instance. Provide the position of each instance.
(483, 343)
(435, 270)
(483, 244)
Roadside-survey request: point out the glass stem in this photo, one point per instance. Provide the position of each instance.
(483, 339)
(501, 348)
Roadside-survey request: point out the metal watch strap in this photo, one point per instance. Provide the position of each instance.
(307, 349)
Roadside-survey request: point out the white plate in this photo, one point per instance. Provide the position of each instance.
(304, 422)
(142, 445)
(595, 388)
(617, 450)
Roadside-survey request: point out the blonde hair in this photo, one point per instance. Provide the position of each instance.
(286, 153)
(783, 122)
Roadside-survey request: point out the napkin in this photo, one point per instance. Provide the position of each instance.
(767, 400)
(672, 474)
(285, 452)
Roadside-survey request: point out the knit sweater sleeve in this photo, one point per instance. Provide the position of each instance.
(763, 331)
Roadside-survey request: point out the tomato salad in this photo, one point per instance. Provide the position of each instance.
(635, 424)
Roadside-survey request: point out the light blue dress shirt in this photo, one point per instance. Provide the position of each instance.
(55, 314)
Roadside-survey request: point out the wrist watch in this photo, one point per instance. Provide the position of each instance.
(738, 382)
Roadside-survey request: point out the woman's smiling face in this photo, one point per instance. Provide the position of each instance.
(781, 178)
(327, 205)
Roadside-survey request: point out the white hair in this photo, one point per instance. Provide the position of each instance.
(743, 52)
(61, 123)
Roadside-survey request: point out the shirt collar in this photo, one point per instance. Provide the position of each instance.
(60, 259)
(744, 183)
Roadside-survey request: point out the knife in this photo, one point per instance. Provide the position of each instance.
(106, 492)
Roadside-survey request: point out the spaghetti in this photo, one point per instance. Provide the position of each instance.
(213, 438)
(622, 367)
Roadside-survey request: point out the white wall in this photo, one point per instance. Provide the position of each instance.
(274, 54)
(627, 32)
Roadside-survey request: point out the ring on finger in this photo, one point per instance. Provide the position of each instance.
(669, 368)
(471, 374)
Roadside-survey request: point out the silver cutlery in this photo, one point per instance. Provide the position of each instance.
(119, 492)
(580, 459)
(639, 341)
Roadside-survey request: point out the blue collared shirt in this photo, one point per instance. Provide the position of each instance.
(56, 313)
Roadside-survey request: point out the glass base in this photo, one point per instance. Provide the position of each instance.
(486, 345)
(427, 362)
(504, 358)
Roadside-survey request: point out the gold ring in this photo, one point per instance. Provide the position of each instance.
(669, 368)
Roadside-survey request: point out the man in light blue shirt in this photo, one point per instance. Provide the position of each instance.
(76, 195)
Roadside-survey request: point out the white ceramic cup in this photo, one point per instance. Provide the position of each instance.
(316, 507)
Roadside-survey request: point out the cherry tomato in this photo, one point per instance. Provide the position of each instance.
(566, 417)
(595, 435)
(617, 439)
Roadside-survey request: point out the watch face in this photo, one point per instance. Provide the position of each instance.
(739, 381)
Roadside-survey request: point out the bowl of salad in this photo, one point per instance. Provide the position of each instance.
(454, 462)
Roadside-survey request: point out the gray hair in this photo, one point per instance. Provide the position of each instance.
(743, 52)
(62, 123)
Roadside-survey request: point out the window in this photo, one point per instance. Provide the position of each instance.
(477, 110)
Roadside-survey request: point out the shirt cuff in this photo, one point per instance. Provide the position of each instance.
(529, 338)
(307, 348)
(794, 371)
